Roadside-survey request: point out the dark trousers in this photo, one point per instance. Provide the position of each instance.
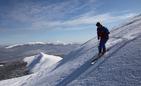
(102, 47)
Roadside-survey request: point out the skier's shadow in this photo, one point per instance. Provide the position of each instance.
(70, 56)
(75, 53)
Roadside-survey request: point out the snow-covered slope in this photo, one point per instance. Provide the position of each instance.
(120, 66)
(41, 61)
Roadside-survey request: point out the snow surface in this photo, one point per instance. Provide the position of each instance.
(120, 66)
(41, 61)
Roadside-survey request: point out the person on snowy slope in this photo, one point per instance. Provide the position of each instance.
(103, 36)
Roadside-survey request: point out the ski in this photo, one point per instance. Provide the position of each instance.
(95, 59)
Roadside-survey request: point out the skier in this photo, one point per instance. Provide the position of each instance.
(103, 36)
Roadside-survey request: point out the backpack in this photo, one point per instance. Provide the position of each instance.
(106, 30)
(104, 33)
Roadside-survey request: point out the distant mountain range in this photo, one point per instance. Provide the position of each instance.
(19, 51)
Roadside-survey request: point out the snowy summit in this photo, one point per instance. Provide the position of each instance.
(41, 61)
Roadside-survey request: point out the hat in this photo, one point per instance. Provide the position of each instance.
(98, 24)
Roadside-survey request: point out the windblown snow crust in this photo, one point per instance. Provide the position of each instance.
(120, 66)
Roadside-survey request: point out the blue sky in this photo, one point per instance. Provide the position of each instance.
(23, 21)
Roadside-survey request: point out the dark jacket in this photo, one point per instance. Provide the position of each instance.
(102, 33)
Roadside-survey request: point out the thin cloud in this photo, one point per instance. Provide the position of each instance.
(36, 15)
(30, 11)
(83, 20)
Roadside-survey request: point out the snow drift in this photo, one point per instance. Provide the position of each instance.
(41, 61)
(120, 66)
